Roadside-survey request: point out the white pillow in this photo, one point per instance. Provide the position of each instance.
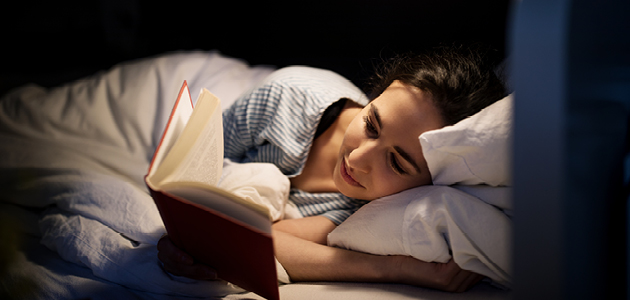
(476, 150)
(425, 222)
(468, 221)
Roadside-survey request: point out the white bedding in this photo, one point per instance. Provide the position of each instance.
(85, 147)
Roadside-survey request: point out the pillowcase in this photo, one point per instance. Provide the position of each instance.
(476, 150)
(425, 222)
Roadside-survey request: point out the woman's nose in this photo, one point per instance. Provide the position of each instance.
(362, 158)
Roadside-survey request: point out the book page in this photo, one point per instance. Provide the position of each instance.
(180, 114)
(197, 155)
(204, 162)
(223, 202)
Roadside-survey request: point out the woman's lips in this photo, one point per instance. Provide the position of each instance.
(346, 176)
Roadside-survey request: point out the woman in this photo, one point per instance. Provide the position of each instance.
(337, 148)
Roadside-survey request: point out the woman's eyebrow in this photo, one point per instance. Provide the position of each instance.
(408, 158)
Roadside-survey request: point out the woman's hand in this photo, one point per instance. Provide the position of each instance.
(442, 276)
(180, 263)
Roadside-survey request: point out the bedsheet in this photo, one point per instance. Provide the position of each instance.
(72, 161)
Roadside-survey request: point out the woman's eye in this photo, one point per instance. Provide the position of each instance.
(396, 165)
(369, 127)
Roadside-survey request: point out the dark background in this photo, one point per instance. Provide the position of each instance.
(52, 42)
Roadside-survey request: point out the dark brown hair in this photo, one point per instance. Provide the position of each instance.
(460, 80)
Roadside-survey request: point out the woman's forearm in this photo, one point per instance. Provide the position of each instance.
(308, 261)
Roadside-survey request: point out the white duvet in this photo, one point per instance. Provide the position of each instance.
(85, 147)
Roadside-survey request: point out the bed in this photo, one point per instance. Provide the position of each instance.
(74, 204)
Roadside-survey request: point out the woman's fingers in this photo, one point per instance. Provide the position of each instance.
(168, 252)
(195, 271)
(462, 280)
(179, 263)
(470, 281)
(451, 278)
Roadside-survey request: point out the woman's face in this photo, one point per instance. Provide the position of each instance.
(380, 154)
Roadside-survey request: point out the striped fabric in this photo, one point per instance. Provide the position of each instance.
(275, 122)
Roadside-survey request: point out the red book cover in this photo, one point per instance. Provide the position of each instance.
(240, 252)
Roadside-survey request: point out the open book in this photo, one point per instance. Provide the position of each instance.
(216, 227)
